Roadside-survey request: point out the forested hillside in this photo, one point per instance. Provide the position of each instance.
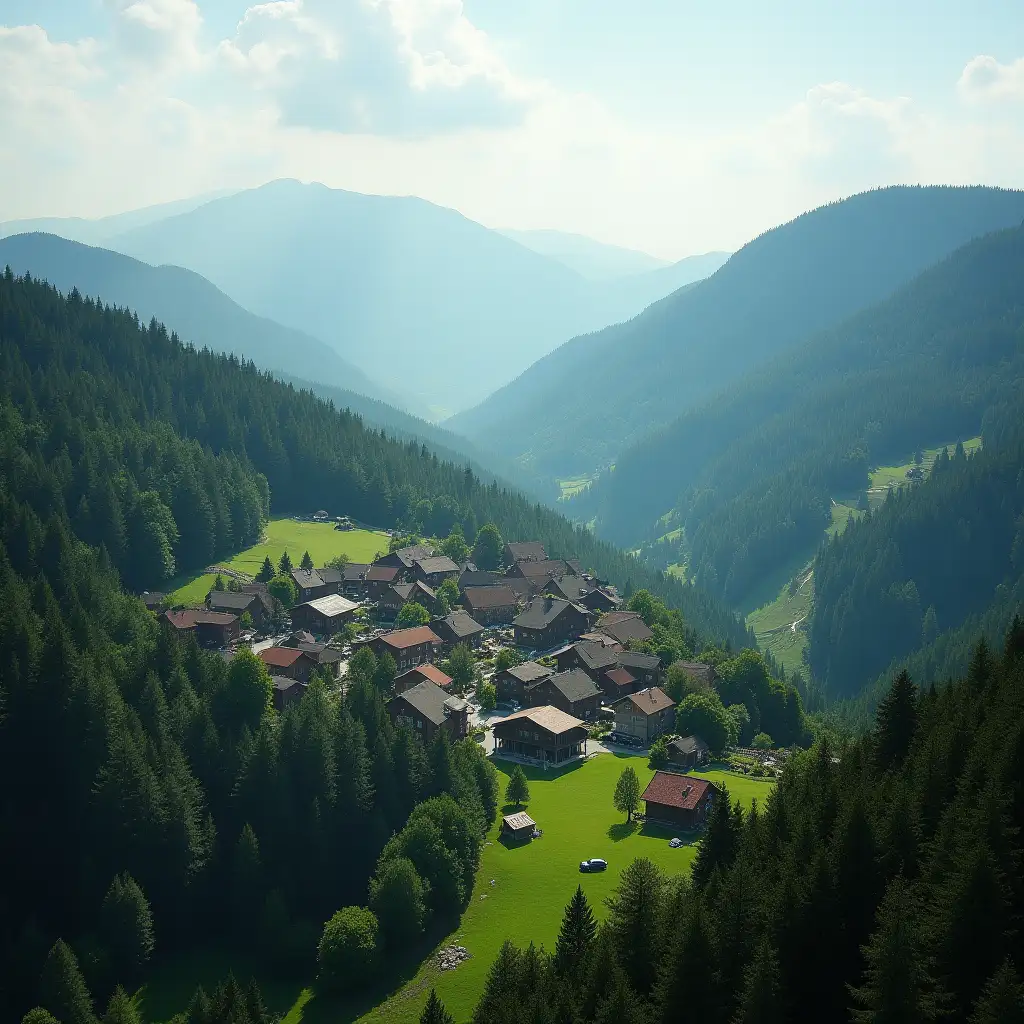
(589, 400)
(881, 882)
(751, 475)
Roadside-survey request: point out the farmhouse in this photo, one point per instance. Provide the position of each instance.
(323, 614)
(645, 667)
(518, 827)
(644, 715)
(543, 734)
(618, 682)
(377, 580)
(425, 708)
(526, 551)
(289, 661)
(573, 692)
(328, 659)
(688, 752)
(409, 647)
(286, 691)
(594, 659)
(405, 558)
(154, 600)
(429, 673)
(679, 799)
(211, 629)
(434, 571)
(584, 592)
(547, 622)
(311, 584)
(515, 683)
(624, 626)
(349, 580)
(479, 578)
(398, 595)
(538, 574)
(491, 605)
(256, 604)
(458, 627)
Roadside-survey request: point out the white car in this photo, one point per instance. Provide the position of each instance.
(675, 843)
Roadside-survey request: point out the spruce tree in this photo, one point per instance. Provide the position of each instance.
(266, 573)
(622, 1005)
(39, 1016)
(307, 563)
(633, 920)
(218, 583)
(690, 976)
(518, 789)
(63, 988)
(576, 937)
(761, 999)
(1002, 1000)
(896, 723)
(434, 1012)
(284, 565)
(126, 929)
(121, 1009)
(254, 1005)
(200, 1009)
(718, 846)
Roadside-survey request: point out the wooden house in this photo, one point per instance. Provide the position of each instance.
(682, 800)
(491, 606)
(645, 715)
(408, 647)
(422, 673)
(687, 752)
(542, 734)
(514, 683)
(323, 615)
(573, 692)
(547, 622)
(426, 708)
(211, 629)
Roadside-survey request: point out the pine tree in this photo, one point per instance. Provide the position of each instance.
(1002, 1000)
(63, 989)
(247, 883)
(627, 793)
(121, 1009)
(761, 1000)
(218, 583)
(266, 573)
(126, 929)
(622, 1005)
(690, 977)
(254, 1005)
(39, 1016)
(896, 723)
(434, 1012)
(718, 846)
(307, 563)
(200, 1009)
(518, 789)
(633, 916)
(576, 937)
(284, 565)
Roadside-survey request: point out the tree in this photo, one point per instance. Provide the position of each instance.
(741, 722)
(1002, 1000)
(434, 1012)
(518, 790)
(339, 562)
(218, 583)
(384, 673)
(449, 592)
(248, 692)
(362, 668)
(63, 989)
(282, 588)
(576, 937)
(896, 723)
(761, 999)
(634, 922)
(126, 929)
(461, 666)
(284, 564)
(246, 620)
(152, 537)
(702, 714)
(121, 1009)
(718, 847)
(487, 695)
(488, 548)
(679, 682)
(39, 1016)
(627, 792)
(412, 614)
(307, 563)
(347, 955)
(658, 754)
(398, 898)
(762, 741)
(266, 573)
(455, 546)
(506, 658)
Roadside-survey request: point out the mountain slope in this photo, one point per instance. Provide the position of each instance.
(590, 399)
(596, 261)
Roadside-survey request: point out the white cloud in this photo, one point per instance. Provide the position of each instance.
(985, 79)
(159, 35)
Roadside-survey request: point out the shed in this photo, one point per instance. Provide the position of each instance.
(518, 827)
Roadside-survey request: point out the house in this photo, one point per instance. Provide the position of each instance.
(515, 683)
(527, 551)
(377, 580)
(491, 605)
(292, 662)
(211, 629)
(325, 615)
(154, 600)
(287, 691)
(409, 647)
(334, 579)
(404, 559)
(398, 595)
(618, 683)
(647, 668)
(310, 584)
(688, 752)
(573, 692)
(479, 578)
(703, 675)
(458, 627)
(349, 580)
(257, 604)
(594, 659)
(624, 626)
(547, 622)
(328, 659)
(679, 799)
(426, 708)
(543, 734)
(645, 715)
(427, 672)
(434, 571)
(518, 828)
(538, 574)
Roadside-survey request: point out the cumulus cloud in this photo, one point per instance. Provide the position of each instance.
(985, 79)
(160, 35)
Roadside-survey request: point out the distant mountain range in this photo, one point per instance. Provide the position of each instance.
(432, 306)
(584, 404)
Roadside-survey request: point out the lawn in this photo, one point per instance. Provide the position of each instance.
(571, 487)
(532, 885)
(773, 623)
(884, 478)
(321, 540)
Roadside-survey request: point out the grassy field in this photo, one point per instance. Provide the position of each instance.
(884, 478)
(532, 885)
(321, 540)
(573, 486)
(779, 624)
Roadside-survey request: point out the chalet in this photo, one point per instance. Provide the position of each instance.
(527, 551)
(518, 827)
(291, 662)
(287, 691)
(398, 595)
(479, 578)
(584, 592)
(538, 574)
(425, 708)
(542, 734)
(409, 647)
(154, 600)
(325, 615)
(298, 638)
(688, 752)
(311, 584)
(703, 675)
(645, 715)
(258, 604)
(405, 558)
(679, 799)
(328, 659)
(547, 622)
(516, 682)
(350, 580)
(594, 659)
(573, 692)
(491, 605)
(458, 627)
(601, 599)
(617, 683)
(603, 639)
(377, 580)
(211, 629)
(434, 571)
(624, 626)
(647, 668)
(422, 673)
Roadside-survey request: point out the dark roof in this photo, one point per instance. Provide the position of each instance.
(681, 791)
(624, 626)
(697, 670)
(408, 556)
(187, 618)
(283, 683)
(601, 638)
(282, 657)
(479, 578)
(461, 623)
(539, 570)
(428, 671)
(307, 580)
(687, 745)
(541, 612)
(621, 677)
(572, 588)
(638, 659)
(436, 564)
(649, 702)
(526, 551)
(382, 573)
(153, 598)
(594, 656)
(413, 591)
(431, 701)
(575, 685)
(230, 601)
(332, 577)
(529, 672)
(402, 638)
(491, 597)
(355, 571)
(297, 639)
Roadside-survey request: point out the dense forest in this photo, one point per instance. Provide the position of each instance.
(753, 473)
(177, 454)
(881, 882)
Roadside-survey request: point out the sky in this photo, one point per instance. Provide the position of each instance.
(669, 126)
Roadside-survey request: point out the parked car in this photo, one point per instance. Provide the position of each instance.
(594, 864)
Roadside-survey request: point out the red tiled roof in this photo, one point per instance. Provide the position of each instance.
(620, 677)
(186, 618)
(280, 657)
(681, 791)
(431, 672)
(402, 638)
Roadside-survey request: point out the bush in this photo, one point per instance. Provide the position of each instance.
(348, 953)
(658, 753)
(702, 714)
(506, 658)
(762, 741)
(488, 696)
(284, 590)
(412, 614)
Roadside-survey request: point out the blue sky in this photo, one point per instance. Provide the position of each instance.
(674, 127)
